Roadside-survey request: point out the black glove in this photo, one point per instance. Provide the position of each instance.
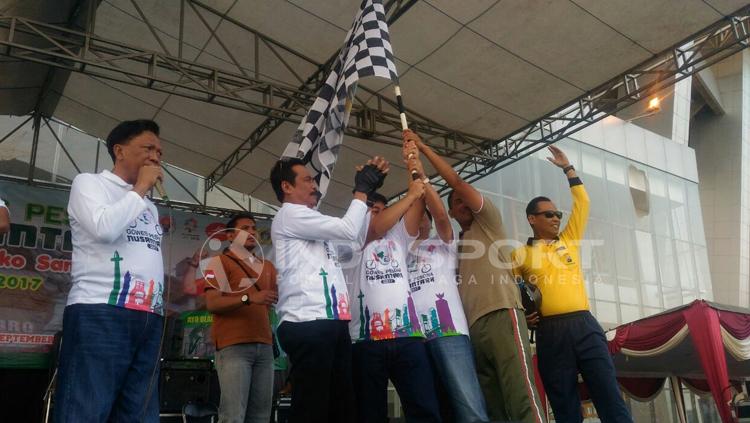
(368, 179)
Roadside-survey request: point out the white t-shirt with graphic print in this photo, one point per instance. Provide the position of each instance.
(379, 287)
(117, 256)
(432, 283)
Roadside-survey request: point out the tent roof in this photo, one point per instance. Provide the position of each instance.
(485, 67)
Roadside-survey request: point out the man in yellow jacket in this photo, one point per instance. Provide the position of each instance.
(569, 339)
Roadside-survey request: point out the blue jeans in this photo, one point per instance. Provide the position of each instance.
(246, 381)
(108, 369)
(405, 362)
(453, 361)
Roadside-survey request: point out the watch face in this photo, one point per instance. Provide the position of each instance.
(245, 298)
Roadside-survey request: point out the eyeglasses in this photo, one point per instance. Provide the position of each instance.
(549, 214)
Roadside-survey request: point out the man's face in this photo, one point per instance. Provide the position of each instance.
(460, 211)
(377, 207)
(247, 226)
(142, 150)
(544, 221)
(304, 191)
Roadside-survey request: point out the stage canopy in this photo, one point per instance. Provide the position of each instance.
(482, 67)
(704, 345)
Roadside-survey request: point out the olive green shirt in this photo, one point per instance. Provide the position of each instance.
(486, 281)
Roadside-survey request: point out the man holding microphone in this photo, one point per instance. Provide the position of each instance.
(113, 320)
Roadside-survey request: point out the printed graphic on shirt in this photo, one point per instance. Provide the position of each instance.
(337, 304)
(388, 324)
(131, 293)
(432, 284)
(145, 229)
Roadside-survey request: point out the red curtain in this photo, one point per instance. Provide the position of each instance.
(647, 334)
(703, 323)
(737, 324)
(641, 388)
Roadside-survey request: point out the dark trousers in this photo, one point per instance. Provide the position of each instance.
(320, 353)
(567, 344)
(405, 362)
(108, 368)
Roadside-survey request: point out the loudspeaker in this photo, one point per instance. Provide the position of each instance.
(181, 383)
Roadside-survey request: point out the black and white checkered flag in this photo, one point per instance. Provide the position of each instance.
(366, 52)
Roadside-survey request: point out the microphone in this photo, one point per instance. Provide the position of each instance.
(160, 188)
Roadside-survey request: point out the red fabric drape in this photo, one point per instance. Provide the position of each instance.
(735, 323)
(641, 388)
(700, 385)
(647, 334)
(703, 323)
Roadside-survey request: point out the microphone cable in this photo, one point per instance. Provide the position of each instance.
(165, 301)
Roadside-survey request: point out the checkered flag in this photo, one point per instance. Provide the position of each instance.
(366, 52)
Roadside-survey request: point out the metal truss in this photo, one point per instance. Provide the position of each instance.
(61, 183)
(697, 52)
(84, 52)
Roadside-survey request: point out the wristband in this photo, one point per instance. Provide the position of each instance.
(568, 168)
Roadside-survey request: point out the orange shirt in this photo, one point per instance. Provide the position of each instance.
(249, 323)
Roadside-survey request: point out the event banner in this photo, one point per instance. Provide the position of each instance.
(35, 261)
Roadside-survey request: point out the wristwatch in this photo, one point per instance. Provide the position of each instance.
(245, 299)
(568, 168)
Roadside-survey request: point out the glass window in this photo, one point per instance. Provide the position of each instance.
(646, 257)
(606, 313)
(628, 291)
(696, 216)
(622, 210)
(672, 297)
(592, 172)
(685, 260)
(678, 209)
(624, 255)
(659, 204)
(665, 253)
(629, 313)
(703, 273)
(651, 295)
(600, 251)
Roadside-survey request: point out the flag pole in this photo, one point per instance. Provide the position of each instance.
(405, 126)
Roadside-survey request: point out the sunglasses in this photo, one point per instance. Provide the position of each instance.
(550, 214)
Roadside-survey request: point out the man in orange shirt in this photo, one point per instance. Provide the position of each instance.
(240, 288)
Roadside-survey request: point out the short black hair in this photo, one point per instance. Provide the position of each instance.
(127, 130)
(376, 197)
(233, 221)
(450, 198)
(532, 207)
(282, 171)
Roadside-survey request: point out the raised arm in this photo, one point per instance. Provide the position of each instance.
(103, 220)
(431, 198)
(386, 219)
(465, 191)
(579, 215)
